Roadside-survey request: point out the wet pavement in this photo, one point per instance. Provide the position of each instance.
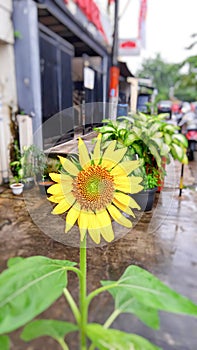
(164, 242)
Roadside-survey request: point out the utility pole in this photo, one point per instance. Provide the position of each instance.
(114, 69)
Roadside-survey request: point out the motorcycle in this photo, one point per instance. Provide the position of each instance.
(188, 124)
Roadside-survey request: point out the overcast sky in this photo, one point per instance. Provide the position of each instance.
(169, 25)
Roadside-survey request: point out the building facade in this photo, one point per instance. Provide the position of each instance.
(62, 59)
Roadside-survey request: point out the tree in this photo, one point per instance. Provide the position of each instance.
(187, 84)
(164, 75)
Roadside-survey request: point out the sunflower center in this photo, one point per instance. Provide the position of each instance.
(93, 187)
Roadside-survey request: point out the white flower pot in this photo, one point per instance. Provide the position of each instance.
(17, 188)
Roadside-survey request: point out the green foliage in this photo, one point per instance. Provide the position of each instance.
(31, 285)
(149, 290)
(108, 339)
(187, 84)
(164, 75)
(23, 286)
(28, 163)
(4, 342)
(151, 139)
(167, 75)
(52, 328)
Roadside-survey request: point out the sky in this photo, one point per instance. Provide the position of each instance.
(169, 25)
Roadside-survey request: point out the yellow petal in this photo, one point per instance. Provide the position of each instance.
(123, 198)
(56, 199)
(123, 207)
(105, 226)
(125, 168)
(72, 216)
(108, 164)
(55, 189)
(109, 150)
(60, 177)
(135, 179)
(93, 228)
(114, 156)
(55, 177)
(97, 150)
(84, 158)
(60, 189)
(103, 218)
(126, 200)
(63, 205)
(107, 233)
(69, 166)
(123, 184)
(83, 223)
(118, 217)
(134, 204)
(135, 187)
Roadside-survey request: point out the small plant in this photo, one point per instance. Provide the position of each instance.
(28, 163)
(149, 138)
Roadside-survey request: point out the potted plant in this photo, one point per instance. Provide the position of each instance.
(28, 164)
(51, 165)
(149, 138)
(16, 186)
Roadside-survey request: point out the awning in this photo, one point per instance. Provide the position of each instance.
(124, 70)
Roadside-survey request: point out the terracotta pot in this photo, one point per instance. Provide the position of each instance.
(44, 185)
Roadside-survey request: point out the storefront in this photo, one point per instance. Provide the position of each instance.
(62, 58)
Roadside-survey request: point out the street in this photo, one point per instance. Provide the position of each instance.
(164, 242)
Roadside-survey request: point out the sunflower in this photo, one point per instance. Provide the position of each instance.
(96, 190)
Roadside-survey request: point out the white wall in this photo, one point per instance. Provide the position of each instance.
(7, 83)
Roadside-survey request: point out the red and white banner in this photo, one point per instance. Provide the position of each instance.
(142, 23)
(92, 12)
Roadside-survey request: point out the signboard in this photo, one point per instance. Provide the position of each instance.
(89, 78)
(129, 47)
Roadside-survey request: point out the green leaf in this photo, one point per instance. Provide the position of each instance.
(4, 342)
(177, 152)
(15, 260)
(52, 328)
(112, 339)
(127, 304)
(108, 129)
(155, 154)
(130, 139)
(28, 288)
(151, 292)
(154, 127)
(170, 128)
(180, 139)
(167, 138)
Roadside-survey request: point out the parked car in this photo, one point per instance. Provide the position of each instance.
(165, 106)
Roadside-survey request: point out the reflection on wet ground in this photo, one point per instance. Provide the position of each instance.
(164, 242)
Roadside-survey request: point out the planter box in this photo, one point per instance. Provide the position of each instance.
(145, 199)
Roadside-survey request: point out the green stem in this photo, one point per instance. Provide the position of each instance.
(74, 269)
(111, 318)
(73, 305)
(82, 294)
(63, 344)
(100, 290)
